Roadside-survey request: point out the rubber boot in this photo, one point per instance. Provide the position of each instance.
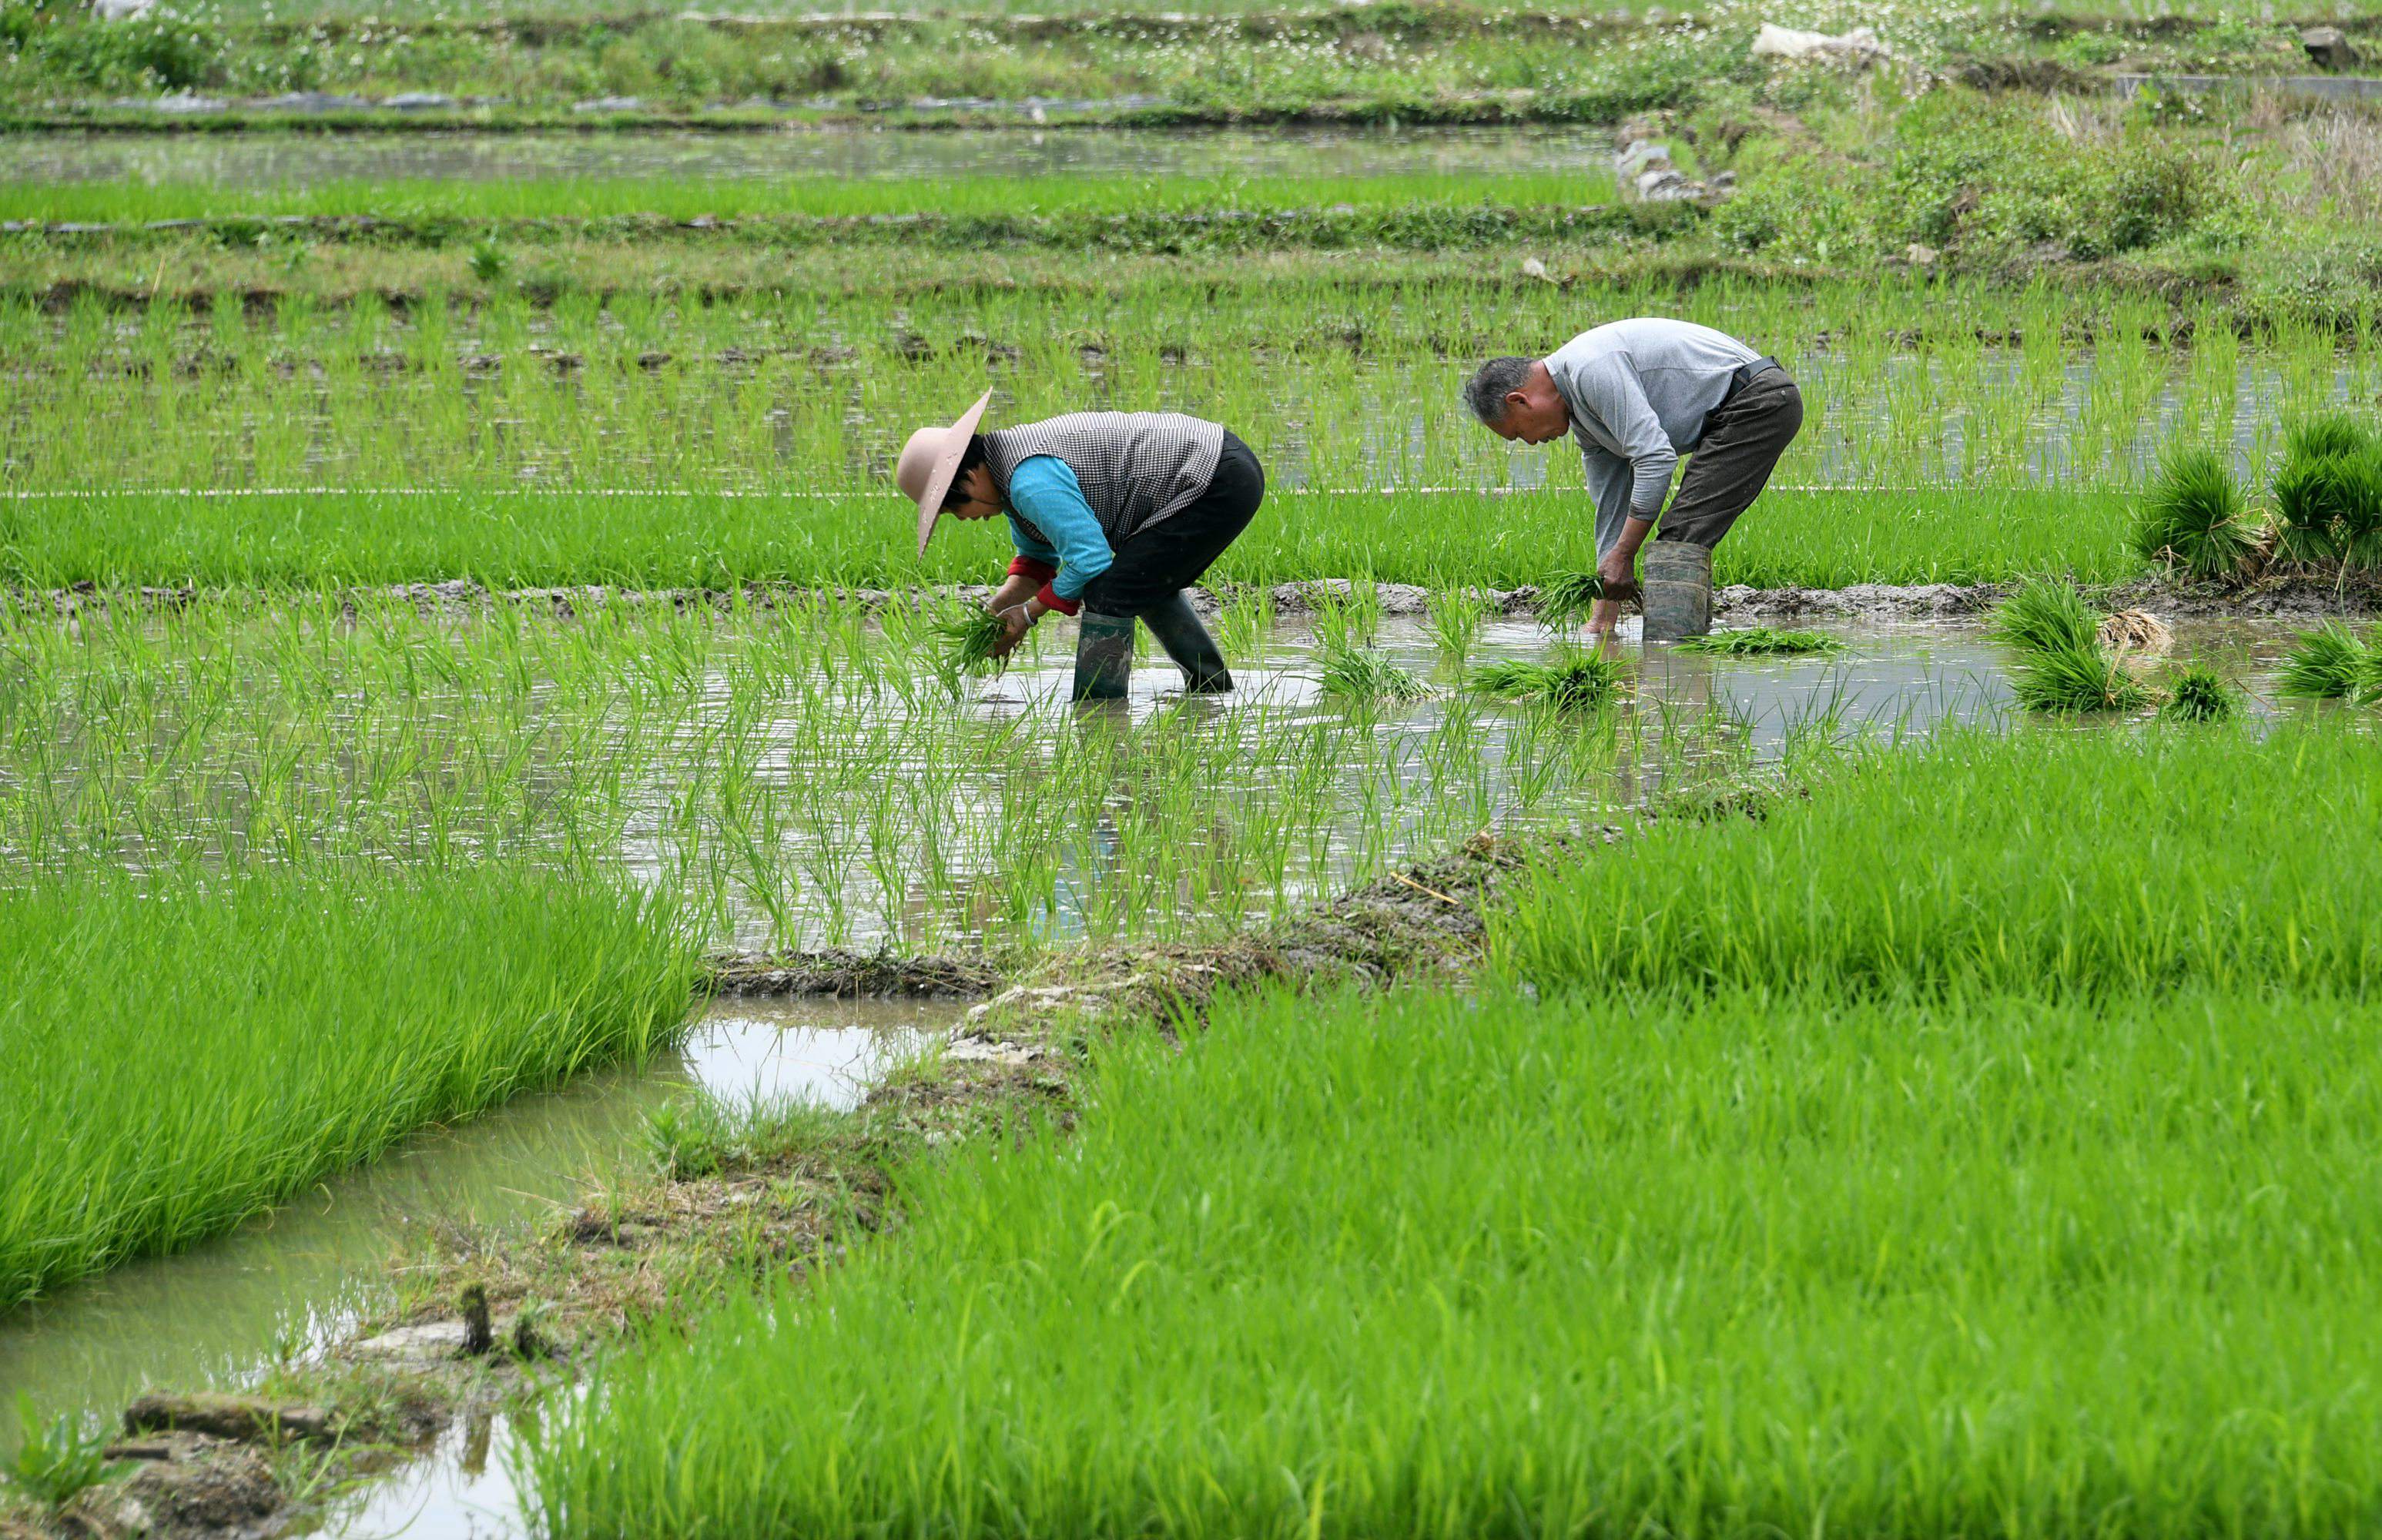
(1178, 629)
(1674, 586)
(1104, 656)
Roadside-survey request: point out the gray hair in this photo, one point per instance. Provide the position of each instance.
(1485, 393)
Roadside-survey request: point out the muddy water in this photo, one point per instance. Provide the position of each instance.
(290, 1281)
(274, 160)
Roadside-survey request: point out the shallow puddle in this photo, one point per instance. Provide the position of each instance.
(290, 1281)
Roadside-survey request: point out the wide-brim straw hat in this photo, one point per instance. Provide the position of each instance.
(929, 461)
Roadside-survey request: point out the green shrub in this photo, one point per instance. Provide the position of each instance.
(2194, 518)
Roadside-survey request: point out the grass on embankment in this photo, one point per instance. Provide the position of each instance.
(177, 1052)
(1819, 539)
(1692, 1259)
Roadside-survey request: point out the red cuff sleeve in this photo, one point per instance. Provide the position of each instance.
(1050, 600)
(1026, 567)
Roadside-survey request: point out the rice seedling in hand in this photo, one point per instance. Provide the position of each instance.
(2193, 519)
(968, 633)
(1575, 680)
(1762, 642)
(2326, 663)
(1354, 674)
(1565, 598)
(2199, 694)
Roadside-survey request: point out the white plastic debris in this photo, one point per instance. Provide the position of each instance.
(1860, 45)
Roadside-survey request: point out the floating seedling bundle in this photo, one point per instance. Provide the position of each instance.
(1356, 675)
(2330, 663)
(1575, 680)
(1762, 642)
(2062, 665)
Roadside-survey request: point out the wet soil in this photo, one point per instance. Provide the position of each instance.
(2284, 597)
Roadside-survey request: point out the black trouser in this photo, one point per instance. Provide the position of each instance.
(1742, 441)
(1176, 552)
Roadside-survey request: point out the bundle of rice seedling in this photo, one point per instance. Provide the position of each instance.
(2327, 664)
(1356, 674)
(2199, 694)
(2194, 518)
(1762, 642)
(968, 633)
(1567, 596)
(2327, 435)
(2328, 494)
(1573, 680)
(2061, 664)
(2046, 612)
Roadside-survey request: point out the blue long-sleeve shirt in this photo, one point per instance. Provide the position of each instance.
(1052, 526)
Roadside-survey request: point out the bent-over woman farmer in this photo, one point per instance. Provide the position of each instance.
(1114, 514)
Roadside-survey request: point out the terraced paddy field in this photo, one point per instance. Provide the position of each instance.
(490, 824)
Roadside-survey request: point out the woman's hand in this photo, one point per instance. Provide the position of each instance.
(1014, 589)
(1016, 621)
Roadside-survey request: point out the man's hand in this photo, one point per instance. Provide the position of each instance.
(1619, 572)
(1016, 622)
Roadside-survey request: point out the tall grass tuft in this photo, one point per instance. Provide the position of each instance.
(2061, 665)
(180, 1051)
(2326, 663)
(2194, 518)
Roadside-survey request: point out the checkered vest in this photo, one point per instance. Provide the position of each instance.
(1136, 467)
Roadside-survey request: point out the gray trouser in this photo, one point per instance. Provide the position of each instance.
(1743, 438)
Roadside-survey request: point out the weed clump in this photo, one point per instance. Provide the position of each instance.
(1354, 675)
(1577, 681)
(2062, 666)
(1566, 597)
(2199, 694)
(57, 1463)
(2328, 664)
(1762, 642)
(2194, 520)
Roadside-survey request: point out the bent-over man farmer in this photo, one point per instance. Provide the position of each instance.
(1112, 513)
(1638, 395)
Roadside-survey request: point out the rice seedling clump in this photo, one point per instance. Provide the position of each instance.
(969, 634)
(1573, 682)
(2194, 520)
(2198, 694)
(2061, 665)
(1356, 675)
(2327, 664)
(1762, 642)
(1565, 598)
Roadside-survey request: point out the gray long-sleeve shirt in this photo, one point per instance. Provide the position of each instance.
(1638, 393)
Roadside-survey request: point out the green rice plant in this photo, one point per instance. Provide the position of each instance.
(1571, 681)
(2326, 435)
(1356, 675)
(1454, 620)
(1748, 1214)
(1762, 642)
(262, 1029)
(2326, 663)
(1909, 874)
(2199, 694)
(1565, 598)
(2194, 517)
